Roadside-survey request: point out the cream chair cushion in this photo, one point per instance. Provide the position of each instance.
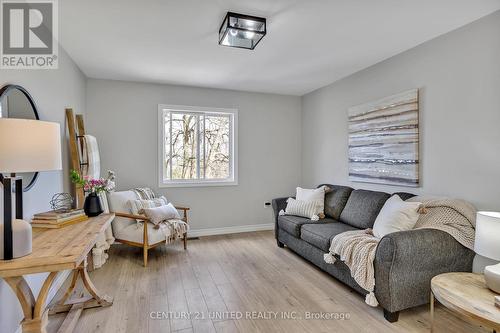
(135, 233)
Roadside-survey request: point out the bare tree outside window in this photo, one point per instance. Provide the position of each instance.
(197, 146)
(217, 147)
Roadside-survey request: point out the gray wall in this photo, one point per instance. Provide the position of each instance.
(53, 91)
(124, 118)
(459, 77)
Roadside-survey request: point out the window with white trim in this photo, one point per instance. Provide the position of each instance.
(197, 146)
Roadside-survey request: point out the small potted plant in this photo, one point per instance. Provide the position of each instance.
(93, 187)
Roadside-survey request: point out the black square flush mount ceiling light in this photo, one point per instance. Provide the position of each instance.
(243, 31)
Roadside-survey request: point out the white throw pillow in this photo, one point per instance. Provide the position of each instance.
(137, 206)
(162, 213)
(396, 215)
(317, 195)
(301, 208)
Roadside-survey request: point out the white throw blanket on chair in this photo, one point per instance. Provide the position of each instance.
(357, 248)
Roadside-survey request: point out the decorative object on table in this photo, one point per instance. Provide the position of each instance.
(92, 205)
(61, 202)
(57, 215)
(93, 187)
(58, 219)
(465, 294)
(384, 140)
(16, 102)
(25, 146)
(487, 244)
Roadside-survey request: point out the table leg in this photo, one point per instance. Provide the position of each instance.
(35, 313)
(432, 312)
(103, 300)
(96, 298)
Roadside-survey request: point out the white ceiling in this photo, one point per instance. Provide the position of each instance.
(310, 43)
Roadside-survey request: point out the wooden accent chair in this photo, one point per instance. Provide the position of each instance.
(125, 228)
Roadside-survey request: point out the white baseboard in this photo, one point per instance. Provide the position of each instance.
(230, 230)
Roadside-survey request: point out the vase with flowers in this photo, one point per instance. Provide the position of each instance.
(93, 187)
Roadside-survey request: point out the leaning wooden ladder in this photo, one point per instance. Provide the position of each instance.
(76, 132)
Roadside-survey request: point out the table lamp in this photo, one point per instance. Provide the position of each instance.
(487, 244)
(25, 146)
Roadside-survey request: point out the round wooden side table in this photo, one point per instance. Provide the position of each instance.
(466, 295)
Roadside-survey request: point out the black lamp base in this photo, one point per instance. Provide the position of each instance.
(8, 245)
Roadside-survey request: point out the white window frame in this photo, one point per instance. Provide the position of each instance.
(233, 146)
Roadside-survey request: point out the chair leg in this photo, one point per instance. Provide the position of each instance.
(185, 239)
(145, 243)
(145, 255)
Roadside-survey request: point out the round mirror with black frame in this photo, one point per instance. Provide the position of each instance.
(16, 102)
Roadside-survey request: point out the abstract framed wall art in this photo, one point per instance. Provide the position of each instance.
(384, 140)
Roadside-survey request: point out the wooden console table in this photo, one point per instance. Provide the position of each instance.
(55, 251)
(467, 296)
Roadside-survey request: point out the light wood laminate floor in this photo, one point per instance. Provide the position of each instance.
(234, 275)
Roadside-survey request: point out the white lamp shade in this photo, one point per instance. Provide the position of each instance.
(487, 242)
(29, 145)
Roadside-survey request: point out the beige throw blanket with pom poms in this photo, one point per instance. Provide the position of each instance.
(357, 248)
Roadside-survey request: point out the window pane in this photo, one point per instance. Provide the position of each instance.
(217, 147)
(184, 144)
(166, 158)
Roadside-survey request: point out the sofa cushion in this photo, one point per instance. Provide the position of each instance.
(363, 207)
(336, 199)
(292, 224)
(320, 234)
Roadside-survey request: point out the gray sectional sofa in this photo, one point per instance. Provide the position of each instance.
(405, 261)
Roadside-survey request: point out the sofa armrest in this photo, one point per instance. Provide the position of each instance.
(406, 261)
(278, 204)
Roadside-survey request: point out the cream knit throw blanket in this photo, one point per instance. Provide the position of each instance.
(357, 248)
(173, 229)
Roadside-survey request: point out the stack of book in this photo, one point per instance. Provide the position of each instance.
(57, 219)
